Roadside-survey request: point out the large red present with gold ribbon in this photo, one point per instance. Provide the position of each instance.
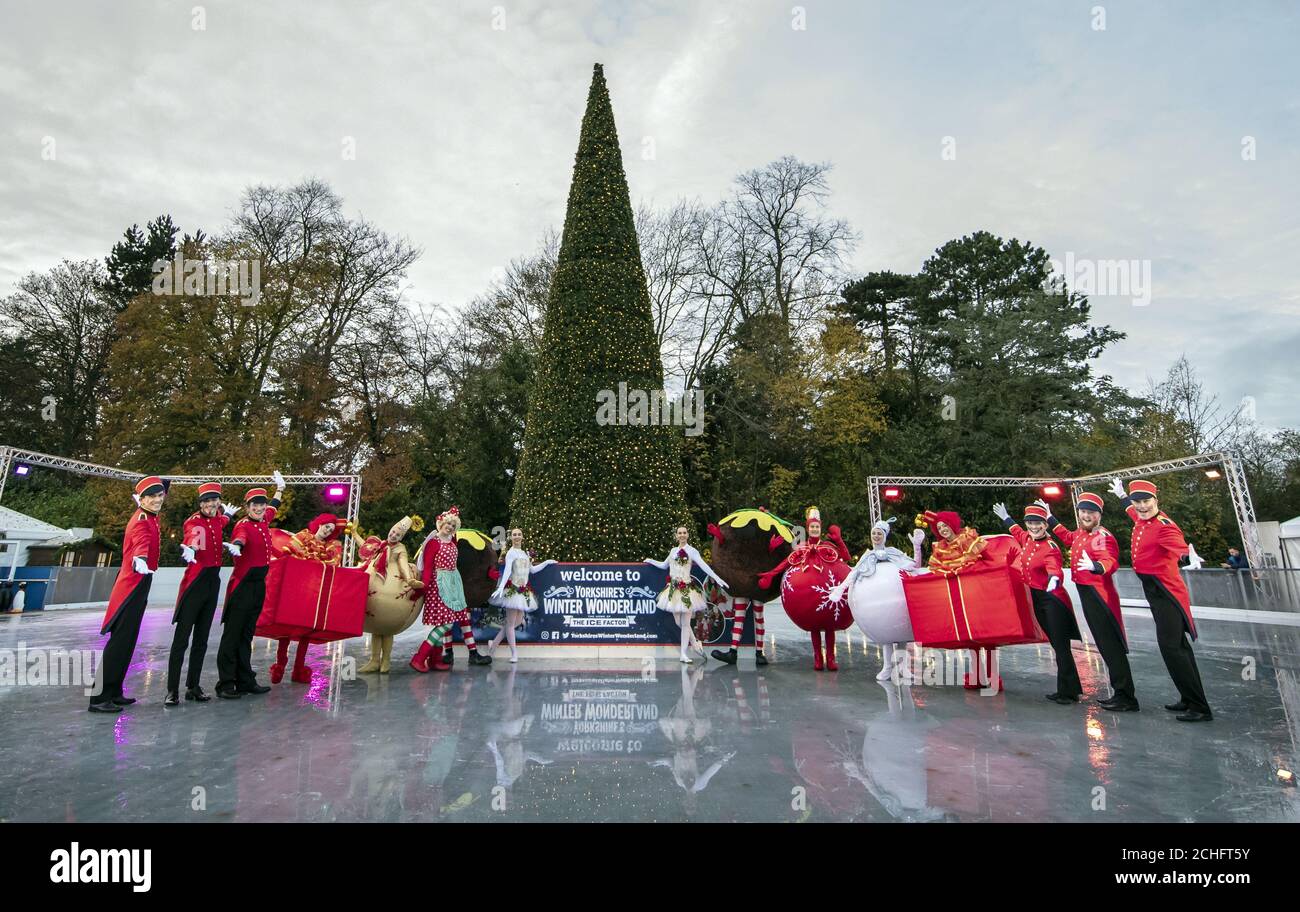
(986, 605)
(313, 600)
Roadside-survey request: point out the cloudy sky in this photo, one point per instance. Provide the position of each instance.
(1162, 132)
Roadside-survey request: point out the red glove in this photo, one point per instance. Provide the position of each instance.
(765, 580)
(715, 531)
(834, 533)
(494, 574)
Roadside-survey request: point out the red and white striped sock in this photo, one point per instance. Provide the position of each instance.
(467, 635)
(759, 635)
(738, 626)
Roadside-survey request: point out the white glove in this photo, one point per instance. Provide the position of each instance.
(233, 547)
(918, 536)
(278, 479)
(1044, 504)
(1085, 561)
(1117, 488)
(229, 509)
(1053, 583)
(1000, 511)
(140, 565)
(187, 554)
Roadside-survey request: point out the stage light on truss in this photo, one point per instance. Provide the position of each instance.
(22, 469)
(1213, 474)
(335, 493)
(1052, 491)
(892, 494)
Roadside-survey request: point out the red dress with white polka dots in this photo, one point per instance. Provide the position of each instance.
(443, 557)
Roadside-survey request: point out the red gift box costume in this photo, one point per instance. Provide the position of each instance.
(1042, 570)
(811, 571)
(306, 544)
(250, 542)
(1093, 560)
(141, 545)
(1156, 546)
(196, 602)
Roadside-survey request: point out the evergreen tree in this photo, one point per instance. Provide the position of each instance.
(588, 490)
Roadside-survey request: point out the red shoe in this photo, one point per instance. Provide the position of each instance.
(420, 661)
(277, 673)
(301, 675)
(830, 651)
(817, 652)
(435, 661)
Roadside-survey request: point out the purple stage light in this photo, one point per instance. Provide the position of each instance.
(21, 469)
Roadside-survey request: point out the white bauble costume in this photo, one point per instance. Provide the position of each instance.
(875, 590)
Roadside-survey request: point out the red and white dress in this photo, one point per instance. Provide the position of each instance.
(438, 555)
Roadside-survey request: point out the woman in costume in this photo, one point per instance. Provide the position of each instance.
(815, 568)
(319, 541)
(682, 596)
(956, 548)
(875, 591)
(444, 591)
(393, 598)
(514, 591)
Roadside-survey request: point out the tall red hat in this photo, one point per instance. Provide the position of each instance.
(150, 484)
(1090, 501)
(209, 489)
(1034, 511)
(1142, 487)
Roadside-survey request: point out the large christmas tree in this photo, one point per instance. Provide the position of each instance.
(588, 490)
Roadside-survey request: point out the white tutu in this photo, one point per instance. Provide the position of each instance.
(879, 606)
(520, 601)
(670, 599)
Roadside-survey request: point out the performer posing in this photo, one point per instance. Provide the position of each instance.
(319, 542)
(514, 591)
(1157, 545)
(140, 546)
(394, 591)
(957, 547)
(682, 596)
(444, 591)
(1040, 566)
(1094, 558)
(883, 619)
(250, 543)
(197, 600)
(820, 559)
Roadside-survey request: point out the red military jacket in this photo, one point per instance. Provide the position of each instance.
(1038, 562)
(1157, 545)
(204, 535)
(254, 538)
(142, 538)
(1103, 549)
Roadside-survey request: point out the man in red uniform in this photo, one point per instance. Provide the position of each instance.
(250, 542)
(1094, 558)
(1040, 566)
(1157, 545)
(126, 603)
(197, 600)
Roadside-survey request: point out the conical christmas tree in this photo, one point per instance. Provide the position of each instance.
(588, 489)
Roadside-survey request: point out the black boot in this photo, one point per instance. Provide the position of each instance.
(1179, 707)
(173, 699)
(196, 693)
(105, 708)
(476, 658)
(759, 657)
(123, 701)
(1120, 705)
(1194, 715)
(729, 656)
(449, 656)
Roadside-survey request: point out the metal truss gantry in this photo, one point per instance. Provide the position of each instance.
(9, 456)
(1235, 476)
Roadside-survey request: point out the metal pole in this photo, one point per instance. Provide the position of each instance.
(1242, 505)
(873, 495)
(6, 455)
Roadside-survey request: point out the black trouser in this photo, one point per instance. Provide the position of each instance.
(1110, 642)
(239, 622)
(193, 616)
(1058, 622)
(1175, 647)
(123, 632)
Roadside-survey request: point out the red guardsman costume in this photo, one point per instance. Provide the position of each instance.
(1093, 560)
(1156, 546)
(250, 542)
(1040, 567)
(140, 548)
(196, 602)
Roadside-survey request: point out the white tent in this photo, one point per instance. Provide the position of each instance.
(1289, 535)
(18, 531)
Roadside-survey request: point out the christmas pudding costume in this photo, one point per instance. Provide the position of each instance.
(393, 599)
(875, 591)
(682, 596)
(744, 543)
(1041, 568)
(1156, 546)
(812, 571)
(141, 545)
(1093, 560)
(318, 542)
(196, 602)
(958, 547)
(514, 592)
(444, 591)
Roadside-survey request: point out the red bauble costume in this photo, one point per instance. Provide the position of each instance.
(812, 570)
